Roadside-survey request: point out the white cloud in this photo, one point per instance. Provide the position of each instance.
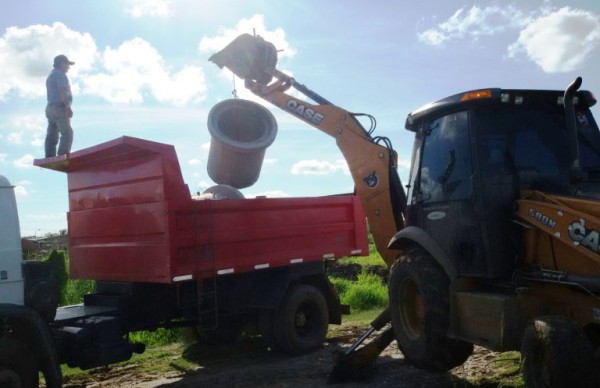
(270, 161)
(26, 56)
(126, 74)
(404, 163)
(15, 138)
(136, 67)
(474, 23)
(30, 129)
(194, 162)
(560, 41)
(26, 161)
(21, 191)
(158, 8)
(247, 26)
(2, 158)
(187, 85)
(319, 167)
(556, 40)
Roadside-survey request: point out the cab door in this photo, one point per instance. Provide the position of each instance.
(442, 191)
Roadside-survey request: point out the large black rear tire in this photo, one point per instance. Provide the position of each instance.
(300, 323)
(420, 312)
(18, 367)
(556, 353)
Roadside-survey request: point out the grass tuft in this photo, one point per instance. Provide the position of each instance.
(366, 293)
(158, 337)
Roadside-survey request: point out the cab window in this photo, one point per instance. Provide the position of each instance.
(446, 169)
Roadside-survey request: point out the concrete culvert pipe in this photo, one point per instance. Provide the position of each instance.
(224, 192)
(241, 130)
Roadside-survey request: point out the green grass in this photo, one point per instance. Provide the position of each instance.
(374, 258)
(158, 337)
(74, 291)
(367, 293)
(505, 372)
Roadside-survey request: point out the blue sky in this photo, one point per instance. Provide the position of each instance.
(142, 70)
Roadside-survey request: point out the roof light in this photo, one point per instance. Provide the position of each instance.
(476, 95)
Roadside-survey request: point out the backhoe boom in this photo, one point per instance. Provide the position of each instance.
(372, 166)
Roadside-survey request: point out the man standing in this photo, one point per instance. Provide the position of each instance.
(58, 110)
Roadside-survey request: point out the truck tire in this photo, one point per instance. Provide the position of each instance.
(420, 312)
(300, 323)
(18, 367)
(555, 352)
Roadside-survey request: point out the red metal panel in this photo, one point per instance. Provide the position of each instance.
(132, 219)
(245, 233)
(139, 191)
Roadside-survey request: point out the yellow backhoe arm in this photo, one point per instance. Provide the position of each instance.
(369, 163)
(372, 166)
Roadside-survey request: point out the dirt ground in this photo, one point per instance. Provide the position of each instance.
(249, 364)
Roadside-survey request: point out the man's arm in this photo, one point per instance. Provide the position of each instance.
(65, 100)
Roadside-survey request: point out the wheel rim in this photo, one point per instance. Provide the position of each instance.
(304, 320)
(412, 309)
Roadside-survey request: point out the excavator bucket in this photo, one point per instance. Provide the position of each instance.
(247, 57)
(356, 363)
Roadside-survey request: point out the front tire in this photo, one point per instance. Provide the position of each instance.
(300, 323)
(556, 353)
(18, 367)
(420, 312)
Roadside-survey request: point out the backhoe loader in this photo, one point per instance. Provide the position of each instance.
(495, 242)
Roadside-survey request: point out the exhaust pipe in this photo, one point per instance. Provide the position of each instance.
(571, 124)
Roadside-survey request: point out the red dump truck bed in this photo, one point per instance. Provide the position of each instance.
(132, 218)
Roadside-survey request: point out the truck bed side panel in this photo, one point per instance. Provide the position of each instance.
(132, 219)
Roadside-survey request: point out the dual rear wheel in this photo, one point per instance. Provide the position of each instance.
(299, 325)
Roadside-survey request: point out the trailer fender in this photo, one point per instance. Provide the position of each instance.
(25, 325)
(321, 282)
(271, 288)
(411, 235)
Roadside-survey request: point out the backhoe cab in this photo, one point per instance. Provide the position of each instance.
(497, 240)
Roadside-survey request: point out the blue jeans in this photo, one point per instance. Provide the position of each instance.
(59, 124)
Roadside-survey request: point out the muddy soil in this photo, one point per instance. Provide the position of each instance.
(248, 364)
